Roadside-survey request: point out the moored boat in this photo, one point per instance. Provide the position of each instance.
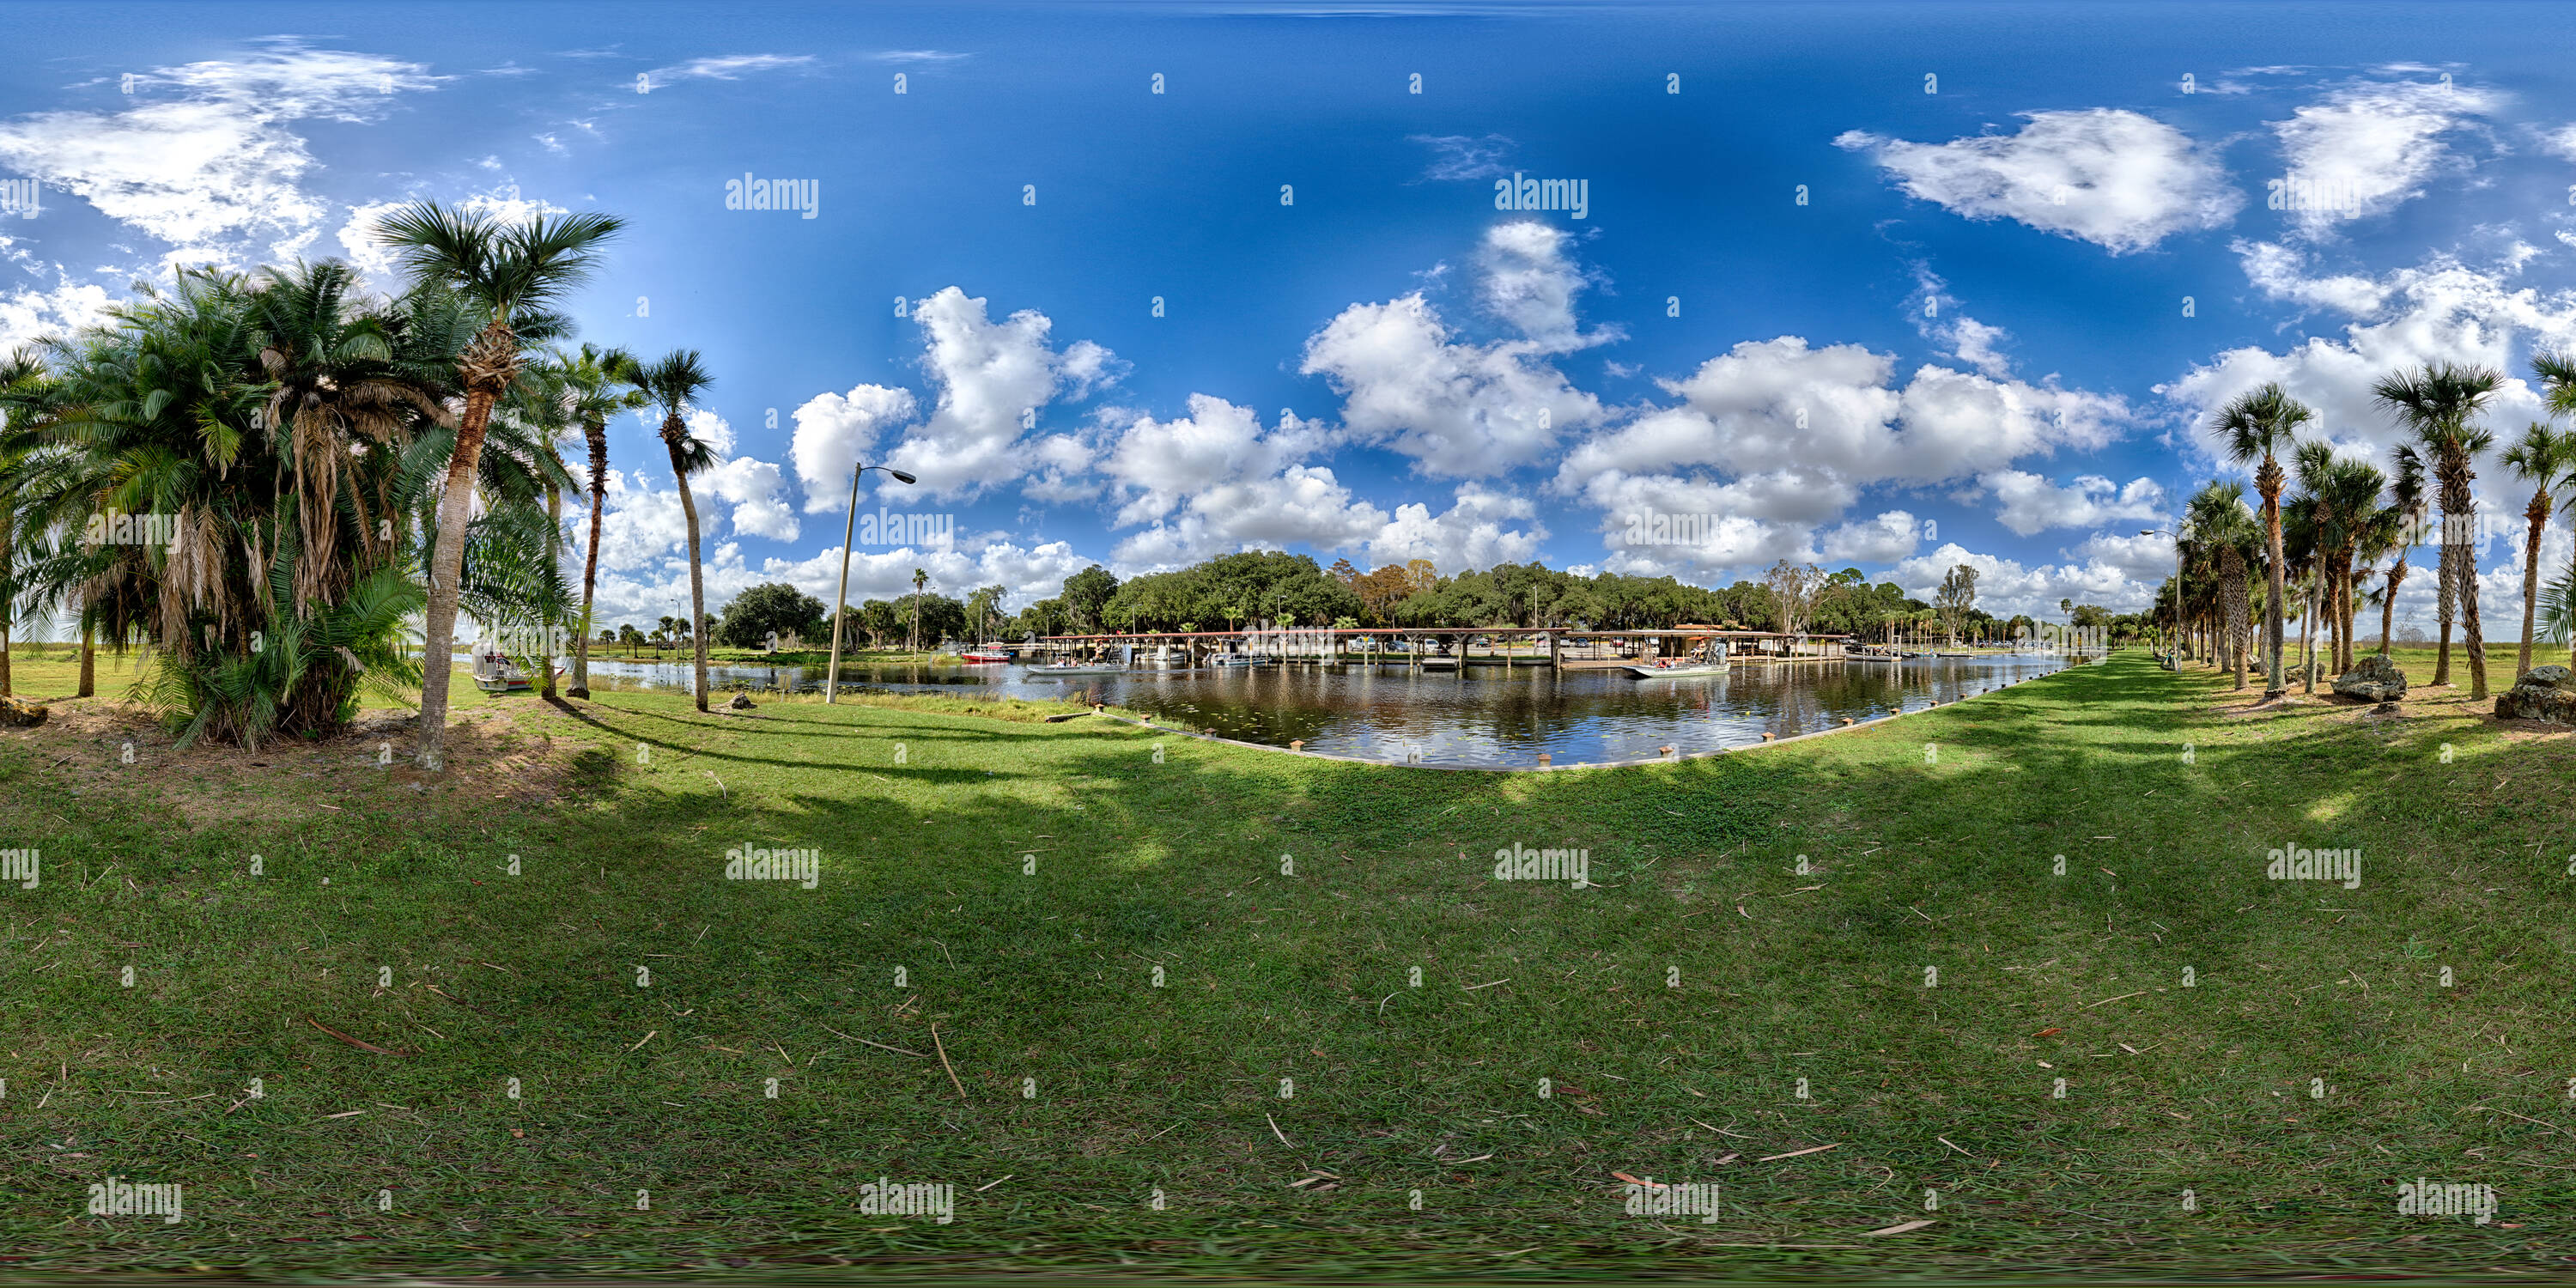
(1679, 671)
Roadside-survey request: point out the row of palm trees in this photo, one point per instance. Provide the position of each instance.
(2316, 547)
(331, 463)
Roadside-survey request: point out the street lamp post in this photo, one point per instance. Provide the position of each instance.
(841, 598)
(2176, 641)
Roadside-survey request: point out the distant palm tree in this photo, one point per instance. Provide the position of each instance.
(920, 579)
(2262, 423)
(2067, 606)
(2437, 401)
(674, 383)
(510, 273)
(595, 384)
(2403, 521)
(2543, 457)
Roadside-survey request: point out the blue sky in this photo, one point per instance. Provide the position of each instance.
(1970, 343)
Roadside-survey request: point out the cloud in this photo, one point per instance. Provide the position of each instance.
(1301, 505)
(1464, 158)
(1824, 420)
(1461, 409)
(2366, 149)
(2441, 310)
(1885, 539)
(2031, 504)
(27, 315)
(2118, 179)
(1167, 462)
(725, 68)
(833, 431)
(2007, 588)
(1530, 283)
(989, 375)
(204, 160)
(1471, 535)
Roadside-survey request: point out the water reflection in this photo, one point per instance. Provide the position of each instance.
(1477, 716)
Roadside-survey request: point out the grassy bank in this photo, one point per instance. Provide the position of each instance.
(997, 898)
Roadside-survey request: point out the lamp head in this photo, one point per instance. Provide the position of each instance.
(903, 476)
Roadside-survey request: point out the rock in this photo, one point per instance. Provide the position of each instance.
(2543, 693)
(2373, 679)
(741, 702)
(21, 714)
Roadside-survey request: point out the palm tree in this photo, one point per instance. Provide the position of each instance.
(2437, 402)
(268, 421)
(674, 384)
(2226, 533)
(594, 385)
(920, 579)
(2402, 520)
(2544, 457)
(2343, 497)
(2261, 423)
(511, 275)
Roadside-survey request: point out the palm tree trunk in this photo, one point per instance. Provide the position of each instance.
(447, 567)
(2388, 604)
(2538, 513)
(5, 690)
(2269, 480)
(554, 565)
(697, 580)
(2474, 634)
(2307, 639)
(89, 661)
(2449, 597)
(597, 433)
(2351, 605)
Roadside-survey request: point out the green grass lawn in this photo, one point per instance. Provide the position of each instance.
(1139, 998)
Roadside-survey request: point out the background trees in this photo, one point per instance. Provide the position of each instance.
(770, 606)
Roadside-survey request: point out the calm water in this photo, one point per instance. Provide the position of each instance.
(1476, 716)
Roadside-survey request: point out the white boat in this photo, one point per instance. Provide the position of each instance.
(1077, 668)
(985, 654)
(1690, 669)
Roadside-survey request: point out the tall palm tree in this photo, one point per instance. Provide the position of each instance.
(596, 384)
(2543, 457)
(2437, 402)
(2263, 423)
(674, 384)
(511, 274)
(2226, 533)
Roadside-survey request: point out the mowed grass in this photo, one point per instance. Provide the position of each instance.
(1674, 1012)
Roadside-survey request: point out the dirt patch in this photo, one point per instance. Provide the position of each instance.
(100, 753)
